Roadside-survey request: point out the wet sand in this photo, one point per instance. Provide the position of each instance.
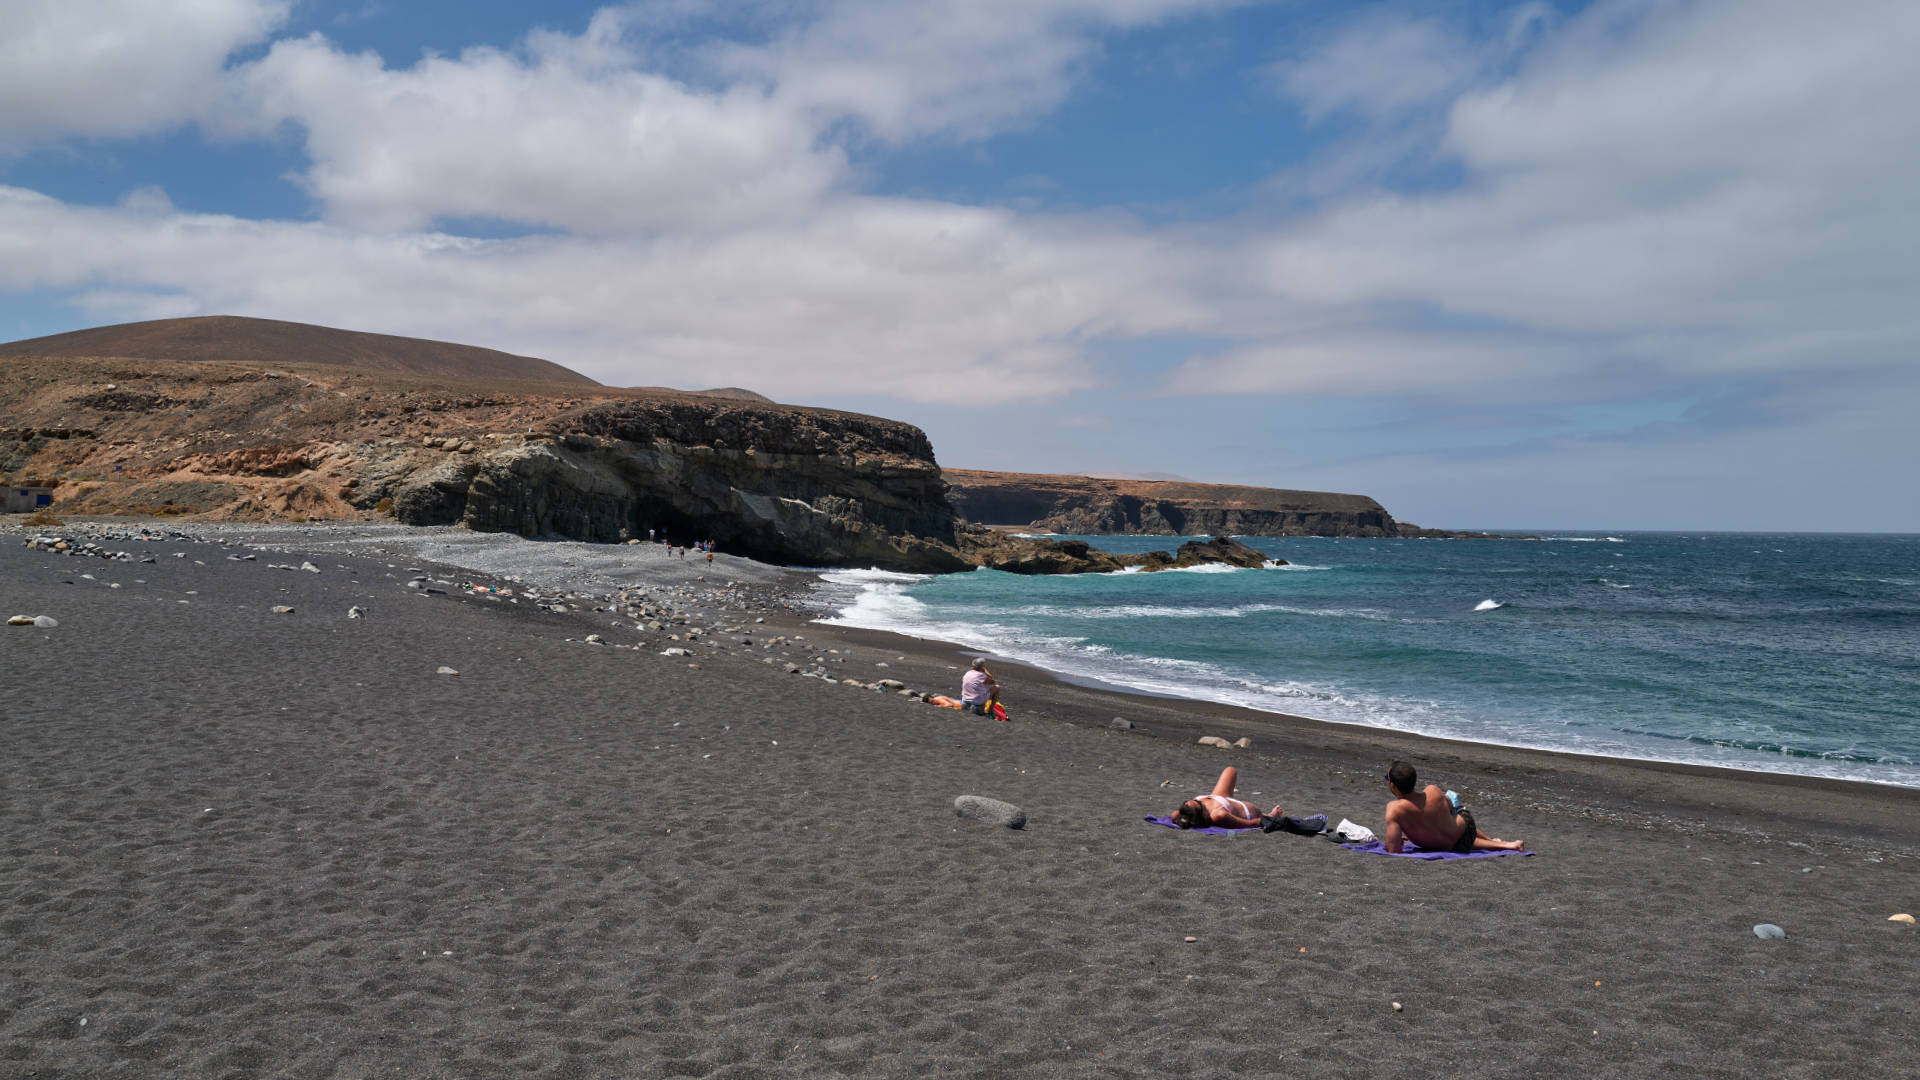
(241, 843)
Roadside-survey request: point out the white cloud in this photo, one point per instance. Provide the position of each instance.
(1708, 187)
(566, 136)
(117, 67)
(1361, 360)
(908, 299)
(950, 68)
(1383, 62)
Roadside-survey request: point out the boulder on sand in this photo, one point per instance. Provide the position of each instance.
(991, 811)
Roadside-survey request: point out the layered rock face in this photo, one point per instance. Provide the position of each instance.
(1083, 504)
(223, 440)
(778, 484)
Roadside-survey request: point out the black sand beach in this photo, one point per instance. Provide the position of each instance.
(240, 843)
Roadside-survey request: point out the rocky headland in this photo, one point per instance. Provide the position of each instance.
(228, 419)
(1086, 504)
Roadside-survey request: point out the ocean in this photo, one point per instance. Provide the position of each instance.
(1790, 653)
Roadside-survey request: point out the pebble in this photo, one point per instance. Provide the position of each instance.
(1397, 1007)
(20, 620)
(1191, 939)
(1120, 723)
(595, 639)
(282, 609)
(356, 612)
(444, 670)
(309, 568)
(1215, 740)
(1243, 743)
(1767, 930)
(1903, 917)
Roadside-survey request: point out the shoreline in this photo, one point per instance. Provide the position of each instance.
(507, 832)
(1736, 760)
(1726, 797)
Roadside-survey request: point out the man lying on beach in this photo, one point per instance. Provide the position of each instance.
(1221, 810)
(1430, 819)
(979, 690)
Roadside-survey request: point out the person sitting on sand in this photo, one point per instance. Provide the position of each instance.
(979, 690)
(1428, 818)
(1222, 811)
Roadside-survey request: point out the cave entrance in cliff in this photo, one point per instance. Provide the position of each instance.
(680, 529)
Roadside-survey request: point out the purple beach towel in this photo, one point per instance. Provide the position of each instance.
(1211, 830)
(1415, 851)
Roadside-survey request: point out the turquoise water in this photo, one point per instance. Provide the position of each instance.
(1781, 653)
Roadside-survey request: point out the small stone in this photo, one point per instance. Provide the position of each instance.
(1191, 939)
(595, 639)
(1901, 918)
(1397, 1007)
(676, 651)
(309, 568)
(20, 620)
(990, 811)
(282, 609)
(444, 670)
(45, 622)
(1243, 743)
(1767, 930)
(1215, 740)
(356, 612)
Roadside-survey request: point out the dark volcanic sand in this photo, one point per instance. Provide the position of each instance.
(245, 844)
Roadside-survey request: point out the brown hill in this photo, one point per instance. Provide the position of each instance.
(240, 340)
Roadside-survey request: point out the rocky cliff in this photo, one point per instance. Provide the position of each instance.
(226, 440)
(291, 440)
(1083, 504)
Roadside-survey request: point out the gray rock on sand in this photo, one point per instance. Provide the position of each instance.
(444, 670)
(309, 568)
(20, 620)
(1120, 723)
(282, 609)
(1243, 743)
(1215, 740)
(990, 811)
(356, 612)
(1767, 930)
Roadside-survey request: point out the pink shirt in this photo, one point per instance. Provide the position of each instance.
(975, 686)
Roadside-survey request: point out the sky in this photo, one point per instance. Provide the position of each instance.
(1626, 264)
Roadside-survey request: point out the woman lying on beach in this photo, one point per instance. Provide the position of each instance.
(1222, 811)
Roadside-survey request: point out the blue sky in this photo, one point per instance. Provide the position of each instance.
(1613, 265)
